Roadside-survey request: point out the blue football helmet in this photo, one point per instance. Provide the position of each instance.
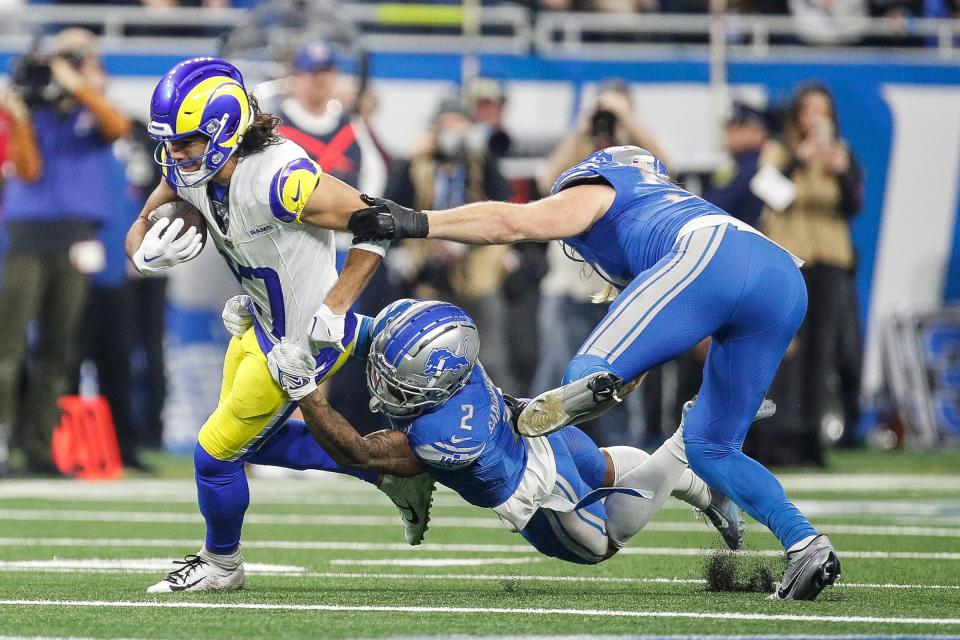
(205, 97)
(421, 353)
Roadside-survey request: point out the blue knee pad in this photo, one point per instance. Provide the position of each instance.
(223, 495)
(583, 365)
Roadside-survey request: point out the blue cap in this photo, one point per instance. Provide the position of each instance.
(315, 56)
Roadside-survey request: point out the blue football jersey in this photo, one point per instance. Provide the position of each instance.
(641, 225)
(468, 445)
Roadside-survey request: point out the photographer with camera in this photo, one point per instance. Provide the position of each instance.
(62, 131)
(609, 121)
(447, 168)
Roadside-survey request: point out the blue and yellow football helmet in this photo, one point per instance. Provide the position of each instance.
(205, 97)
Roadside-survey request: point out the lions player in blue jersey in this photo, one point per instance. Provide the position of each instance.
(568, 498)
(685, 270)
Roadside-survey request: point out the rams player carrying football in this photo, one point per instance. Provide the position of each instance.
(269, 210)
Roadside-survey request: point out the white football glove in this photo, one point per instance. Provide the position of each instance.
(293, 368)
(327, 329)
(157, 254)
(237, 316)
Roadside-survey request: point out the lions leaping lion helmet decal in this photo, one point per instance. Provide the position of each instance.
(199, 97)
(421, 353)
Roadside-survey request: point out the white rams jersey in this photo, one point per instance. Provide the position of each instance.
(285, 266)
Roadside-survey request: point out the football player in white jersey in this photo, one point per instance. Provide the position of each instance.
(270, 211)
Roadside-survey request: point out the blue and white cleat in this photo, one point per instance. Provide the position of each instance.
(724, 514)
(809, 571)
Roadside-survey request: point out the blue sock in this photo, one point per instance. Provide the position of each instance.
(223, 495)
(752, 486)
(292, 447)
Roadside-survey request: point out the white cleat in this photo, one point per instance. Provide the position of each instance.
(412, 497)
(573, 403)
(198, 573)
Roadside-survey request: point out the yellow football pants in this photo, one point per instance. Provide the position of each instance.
(251, 403)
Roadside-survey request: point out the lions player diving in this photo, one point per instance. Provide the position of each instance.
(566, 497)
(269, 210)
(685, 270)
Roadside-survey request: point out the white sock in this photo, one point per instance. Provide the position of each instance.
(801, 544)
(659, 473)
(226, 561)
(690, 488)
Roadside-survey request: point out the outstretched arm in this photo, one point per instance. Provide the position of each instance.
(292, 367)
(565, 214)
(384, 451)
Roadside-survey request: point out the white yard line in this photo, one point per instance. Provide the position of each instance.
(431, 547)
(128, 565)
(153, 565)
(432, 562)
(304, 490)
(592, 613)
(478, 522)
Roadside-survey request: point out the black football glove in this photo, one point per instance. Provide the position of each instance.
(516, 406)
(387, 220)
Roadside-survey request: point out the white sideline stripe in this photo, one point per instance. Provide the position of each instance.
(484, 577)
(431, 547)
(142, 564)
(283, 489)
(479, 522)
(602, 613)
(433, 562)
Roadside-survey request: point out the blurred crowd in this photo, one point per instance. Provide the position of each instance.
(817, 22)
(77, 170)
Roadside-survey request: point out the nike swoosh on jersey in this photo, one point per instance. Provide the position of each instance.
(296, 196)
(458, 439)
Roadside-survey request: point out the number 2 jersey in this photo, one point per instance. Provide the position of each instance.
(286, 267)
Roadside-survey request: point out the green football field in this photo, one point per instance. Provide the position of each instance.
(326, 558)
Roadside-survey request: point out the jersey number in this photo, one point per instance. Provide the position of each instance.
(271, 282)
(467, 414)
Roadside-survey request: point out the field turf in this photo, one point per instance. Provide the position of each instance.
(325, 558)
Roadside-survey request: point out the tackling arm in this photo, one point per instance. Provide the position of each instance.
(384, 451)
(565, 214)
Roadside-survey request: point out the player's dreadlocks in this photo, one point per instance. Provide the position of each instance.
(261, 133)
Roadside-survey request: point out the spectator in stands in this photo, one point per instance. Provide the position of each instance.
(313, 117)
(446, 171)
(745, 134)
(815, 226)
(487, 99)
(828, 22)
(610, 120)
(53, 204)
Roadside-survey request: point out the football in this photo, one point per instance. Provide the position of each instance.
(180, 209)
